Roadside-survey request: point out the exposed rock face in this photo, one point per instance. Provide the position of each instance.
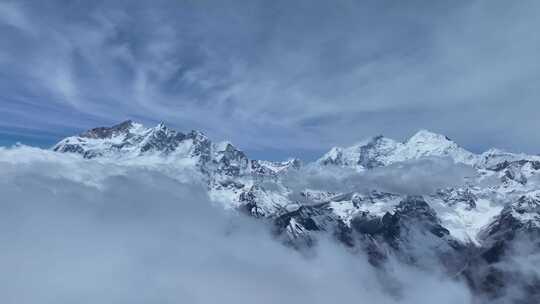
(520, 219)
(513, 236)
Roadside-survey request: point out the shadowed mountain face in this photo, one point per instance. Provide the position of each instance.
(473, 229)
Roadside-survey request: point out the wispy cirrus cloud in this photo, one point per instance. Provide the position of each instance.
(301, 76)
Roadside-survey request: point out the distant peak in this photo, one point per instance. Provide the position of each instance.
(161, 126)
(107, 132)
(224, 146)
(197, 135)
(124, 124)
(424, 135)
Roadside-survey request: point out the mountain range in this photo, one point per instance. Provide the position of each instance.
(475, 229)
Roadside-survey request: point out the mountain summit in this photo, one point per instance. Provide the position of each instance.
(130, 140)
(381, 151)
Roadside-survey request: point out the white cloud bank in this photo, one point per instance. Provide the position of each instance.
(418, 177)
(77, 231)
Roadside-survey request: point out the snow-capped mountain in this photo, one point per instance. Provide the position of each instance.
(458, 226)
(382, 151)
(238, 182)
(130, 140)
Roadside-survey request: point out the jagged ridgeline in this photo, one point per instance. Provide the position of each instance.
(470, 228)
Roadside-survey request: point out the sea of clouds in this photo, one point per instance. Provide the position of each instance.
(85, 231)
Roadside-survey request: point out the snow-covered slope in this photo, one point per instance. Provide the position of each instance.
(373, 152)
(382, 151)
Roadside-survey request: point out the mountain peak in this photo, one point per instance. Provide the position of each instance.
(124, 139)
(108, 132)
(369, 153)
(429, 144)
(426, 136)
(161, 128)
(380, 151)
(161, 125)
(197, 135)
(224, 146)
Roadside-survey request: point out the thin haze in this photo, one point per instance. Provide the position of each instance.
(277, 78)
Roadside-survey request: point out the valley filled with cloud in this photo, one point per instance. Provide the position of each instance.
(81, 231)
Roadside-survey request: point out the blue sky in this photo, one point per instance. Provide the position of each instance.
(277, 78)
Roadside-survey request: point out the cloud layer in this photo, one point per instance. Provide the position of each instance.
(418, 177)
(81, 231)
